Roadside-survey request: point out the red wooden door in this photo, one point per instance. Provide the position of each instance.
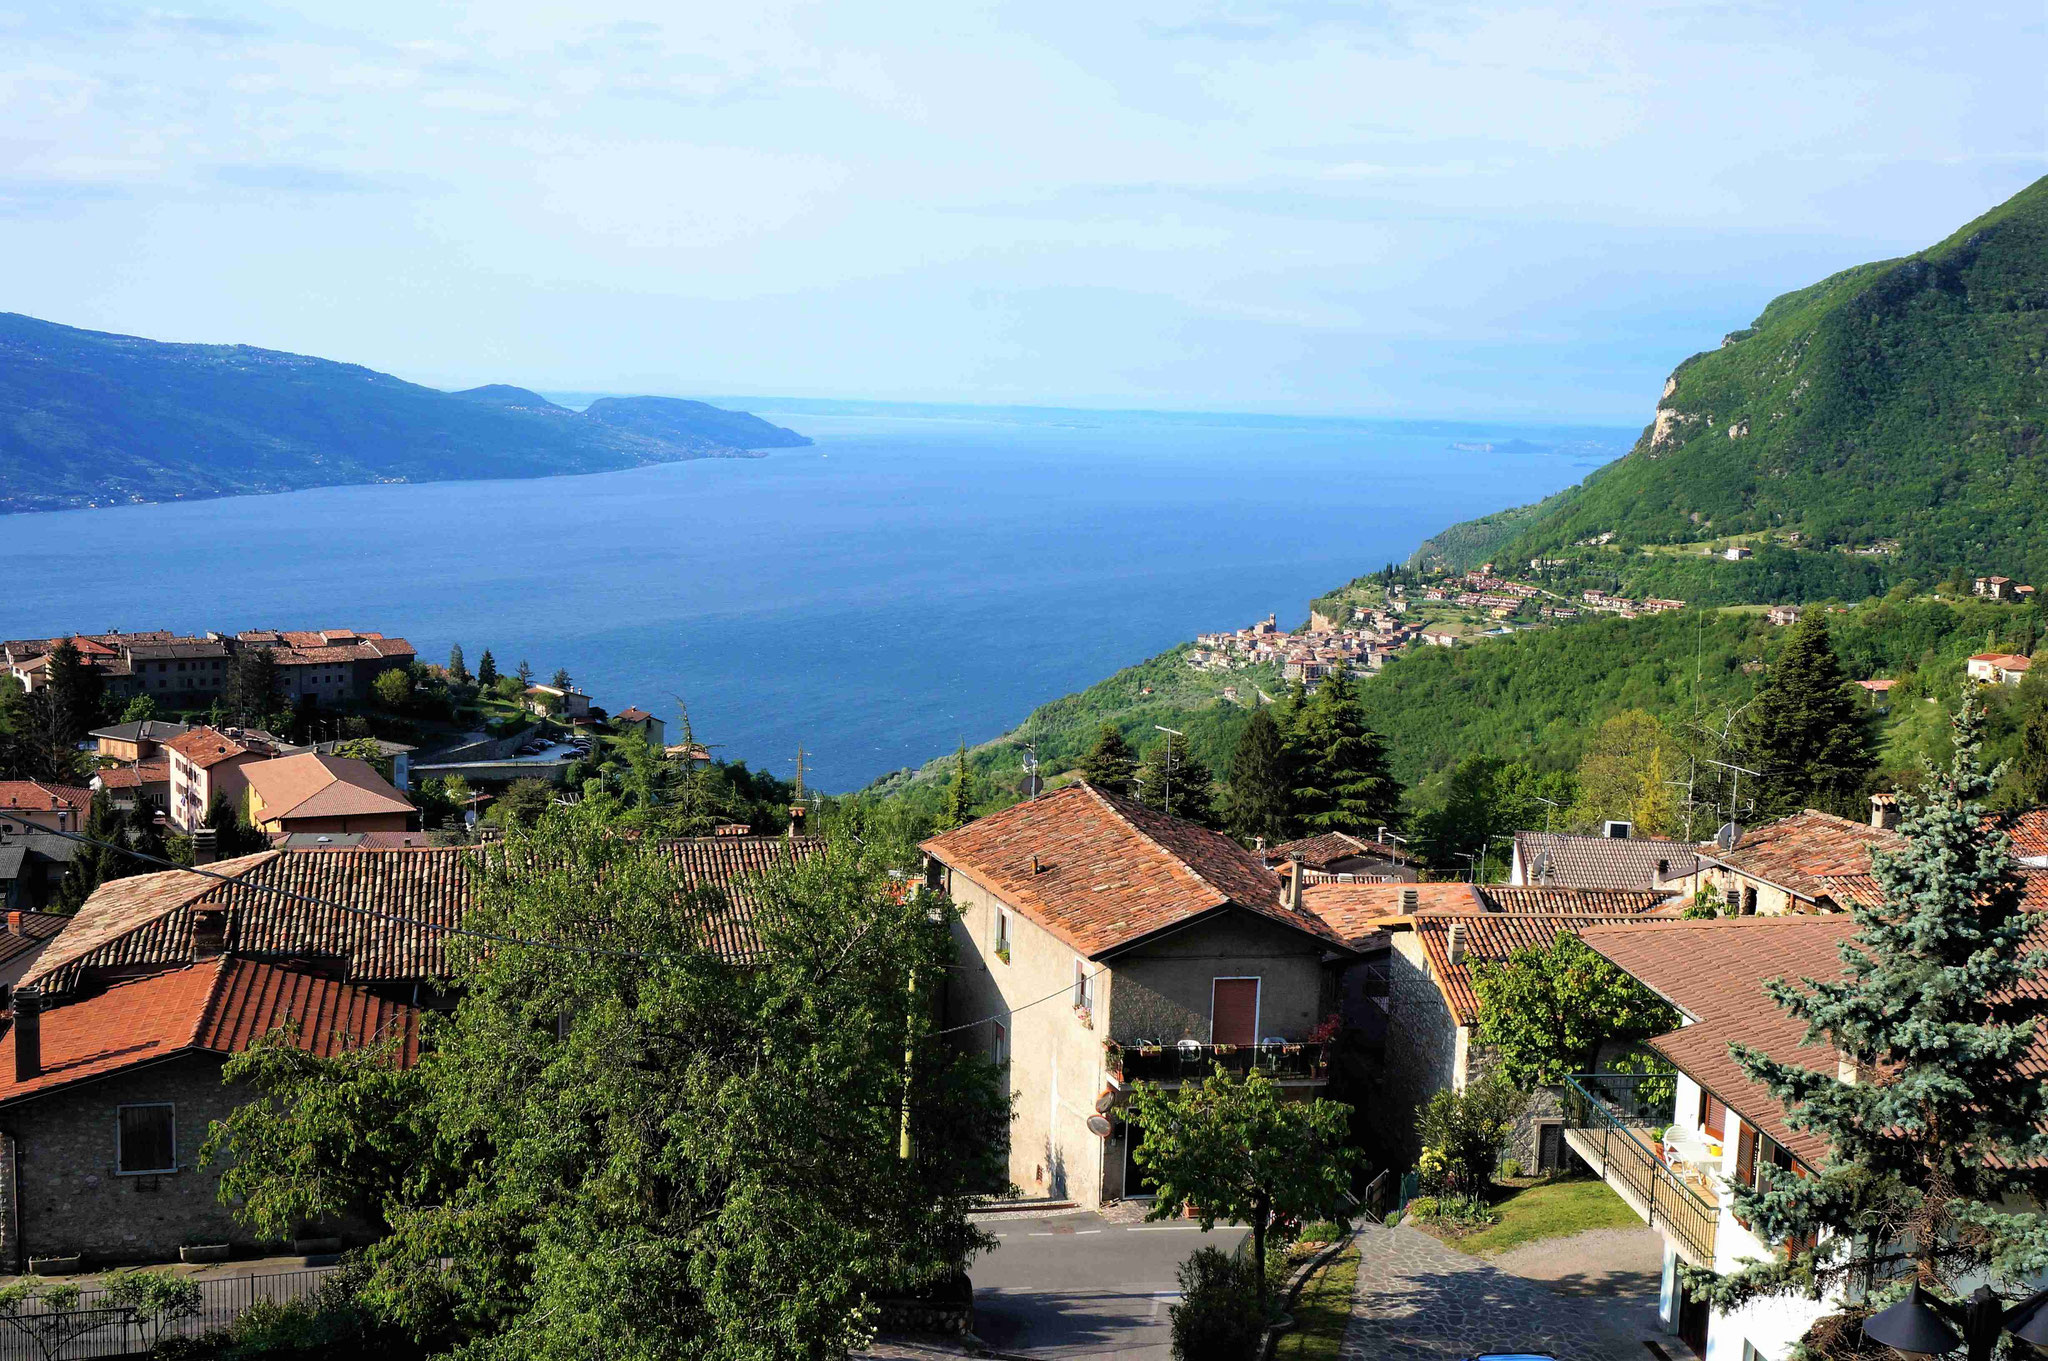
(1234, 1011)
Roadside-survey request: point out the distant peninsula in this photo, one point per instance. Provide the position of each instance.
(89, 418)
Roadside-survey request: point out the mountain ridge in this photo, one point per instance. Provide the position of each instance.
(95, 418)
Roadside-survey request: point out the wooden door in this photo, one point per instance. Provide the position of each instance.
(1693, 1315)
(1234, 1011)
(1549, 1148)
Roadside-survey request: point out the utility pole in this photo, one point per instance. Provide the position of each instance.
(1171, 733)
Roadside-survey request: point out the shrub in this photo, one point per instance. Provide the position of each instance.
(1218, 1316)
(1468, 1130)
(1458, 1213)
(1322, 1231)
(1510, 1168)
(1422, 1209)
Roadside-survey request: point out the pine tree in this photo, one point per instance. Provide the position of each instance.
(525, 674)
(560, 680)
(487, 670)
(1342, 780)
(458, 668)
(959, 809)
(251, 688)
(1260, 782)
(1110, 764)
(1942, 1135)
(92, 866)
(1806, 736)
(1174, 781)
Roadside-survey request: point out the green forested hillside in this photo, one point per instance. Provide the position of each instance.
(1898, 408)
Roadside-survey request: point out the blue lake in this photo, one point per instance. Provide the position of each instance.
(919, 577)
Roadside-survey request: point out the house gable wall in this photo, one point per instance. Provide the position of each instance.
(1164, 989)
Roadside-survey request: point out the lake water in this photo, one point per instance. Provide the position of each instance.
(919, 577)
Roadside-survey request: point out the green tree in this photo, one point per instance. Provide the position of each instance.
(1175, 781)
(140, 709)
(1622, 775)
(1239, 1150)
(1110, 764)
(1548, 1010)
(486, 671)
(233, 834)
(458, 668)
(1465, 1131)
(94, 865)
(560, 680)
(959, 809)
(1261, 783)
(639, 1148)
(523, 803)
(1932, 1153)
(525, 674)
(155, 1301)
(2027, 774)
(1808, 739)
(393, 688)
(1485, 799)
(251, 689)
(47, 1315)
(1342, 781)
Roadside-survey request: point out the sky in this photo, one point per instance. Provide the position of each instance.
(1394, 209)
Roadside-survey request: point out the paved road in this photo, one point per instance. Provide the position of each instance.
(1076, 1285)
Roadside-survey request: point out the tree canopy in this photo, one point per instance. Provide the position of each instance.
(1260, 783)
(1809, 741)
(1549, 1010)
(1110, 764)
(1342, 779)
(1175, 781)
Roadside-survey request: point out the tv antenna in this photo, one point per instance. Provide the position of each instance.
(1734, 790)
(1171, 734)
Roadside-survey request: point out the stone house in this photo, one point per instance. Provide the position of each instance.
(1103, 943)
(330, 667)
(107, 1096)
(1808, 862)
(1438, 933)
(639, 723)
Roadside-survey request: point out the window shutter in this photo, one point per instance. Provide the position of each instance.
(1745, 1163)
(1234, 1011)
(1715, 1117)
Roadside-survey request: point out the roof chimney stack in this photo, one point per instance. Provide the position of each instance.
(1294, 877)
(1456, 948)
(209, 932)
(1411, 900)
(28, 1033)
(1884, 812)
(205, 845)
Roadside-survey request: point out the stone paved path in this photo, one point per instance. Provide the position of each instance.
(1419, 1300)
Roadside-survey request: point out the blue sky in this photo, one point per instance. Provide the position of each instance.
(1291, 205)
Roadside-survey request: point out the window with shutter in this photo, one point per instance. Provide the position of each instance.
(1713, 1117)
(1745, 1162)
(1234, 1011)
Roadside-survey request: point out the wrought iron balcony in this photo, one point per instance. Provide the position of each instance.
(1612, 1121)
(1185, 1060)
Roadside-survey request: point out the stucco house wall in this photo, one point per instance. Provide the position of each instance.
(1165, 989)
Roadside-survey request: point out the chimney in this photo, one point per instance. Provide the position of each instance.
(1663, 868)
(1036, 868)
(1294, 878)
(1456, 948)
(1884, 812)
(1845, 1070)
(28, 1033)
(796, 819)
(14, 927)
(1411, 900)
(209, 932)
(205, 845)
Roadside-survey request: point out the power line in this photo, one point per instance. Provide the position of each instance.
(1067, 990)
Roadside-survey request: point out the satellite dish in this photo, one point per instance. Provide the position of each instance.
(1729, 834)
(1098, 1125)
(1107, 1102)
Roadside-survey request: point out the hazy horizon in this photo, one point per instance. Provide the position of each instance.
(1475, 210)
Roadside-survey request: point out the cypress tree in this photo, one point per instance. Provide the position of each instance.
(525, 674)
(1174, 781)
(458, 668)
(1260, 782)
(1110, 764)
(959, 809)
(1942, 1134)
(1342, 780)
(487, 669)
(1804, 734)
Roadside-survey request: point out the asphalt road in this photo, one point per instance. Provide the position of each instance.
(1076, 1285)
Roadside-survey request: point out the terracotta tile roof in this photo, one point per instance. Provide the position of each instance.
(206, 747)
(1492, 936)
(1811, 854)
(1319, 852)
(27, 932)
(350, 841)
(312, 785)
(155, 771)
(730, 865)
(34, 795)
(1355, 911)
(1564, 860)
(1592, 901)
(222, 1005)
(2029, 832)
(632, 716)
(1112, 872)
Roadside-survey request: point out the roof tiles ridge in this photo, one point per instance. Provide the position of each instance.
(202, 1024)
(1103, 797)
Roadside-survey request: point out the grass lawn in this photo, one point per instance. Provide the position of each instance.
(1552, 1210)
(1322, 1311)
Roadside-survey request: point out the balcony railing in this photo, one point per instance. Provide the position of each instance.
(1289, 1062)
(1612, 1122)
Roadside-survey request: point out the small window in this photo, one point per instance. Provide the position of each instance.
(148, 1139)
(999, 1047)
(1084, 987)
(1003, 932)
(1749, 902)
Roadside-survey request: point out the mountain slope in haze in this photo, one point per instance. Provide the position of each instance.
(675, 418)
(93, 419)
(1899, 408)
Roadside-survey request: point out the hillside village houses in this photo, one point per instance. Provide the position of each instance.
(1998, 668)
(330, 666)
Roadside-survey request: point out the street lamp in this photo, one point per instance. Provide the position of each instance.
(1921, 1325)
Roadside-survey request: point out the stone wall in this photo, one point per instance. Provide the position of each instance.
(1421, 1056)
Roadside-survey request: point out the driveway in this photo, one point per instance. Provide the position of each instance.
(1419, 1300)
(1077, 1285)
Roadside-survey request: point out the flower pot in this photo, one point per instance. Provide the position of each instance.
(203, 1252)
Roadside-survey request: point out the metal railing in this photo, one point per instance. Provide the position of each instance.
(1629, 1162)
(1305, 1061)
(107, 1330)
